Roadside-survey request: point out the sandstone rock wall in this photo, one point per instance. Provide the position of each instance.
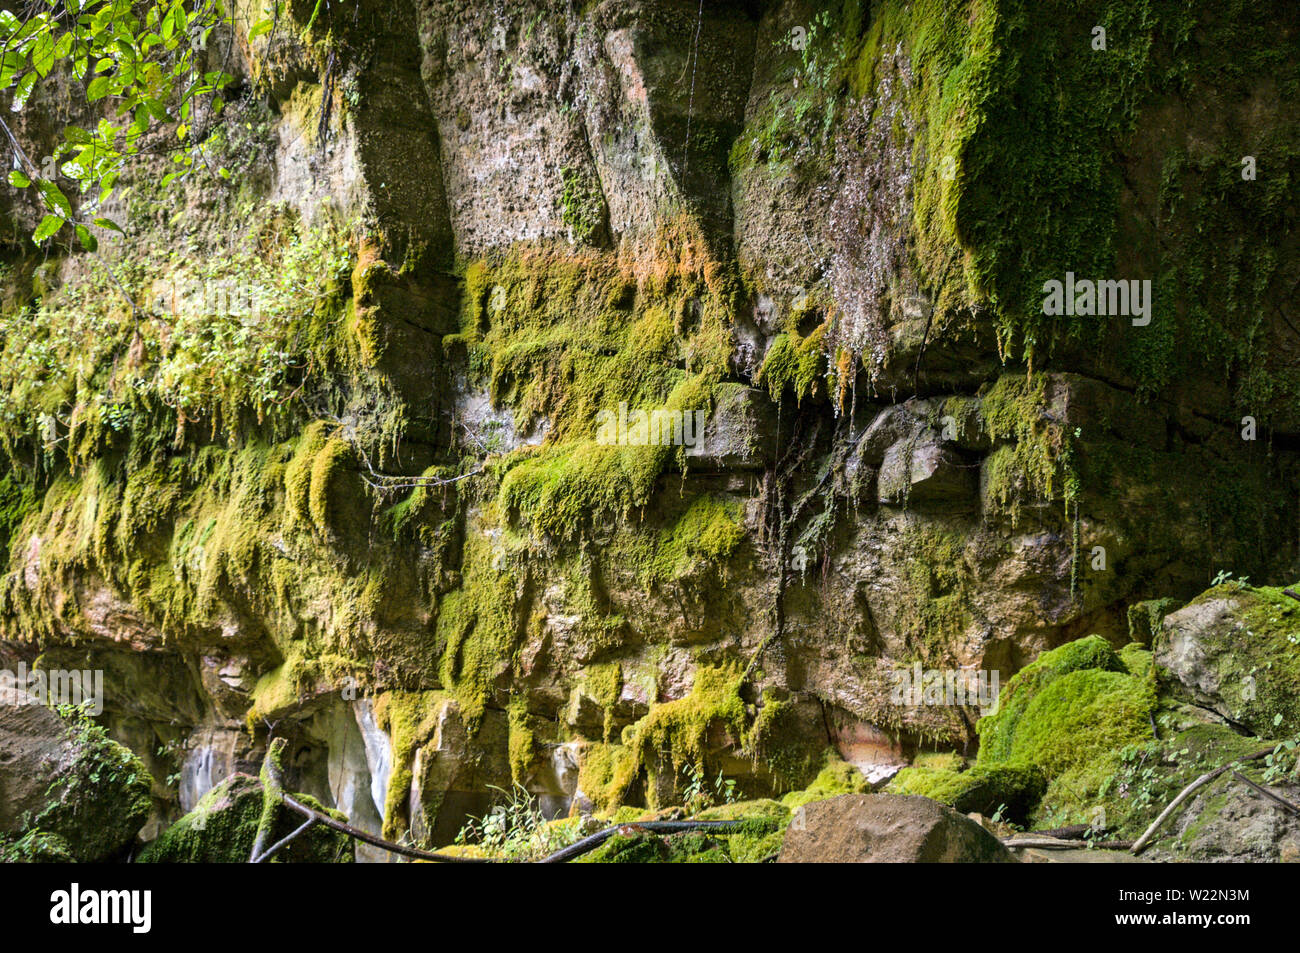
(520, 215)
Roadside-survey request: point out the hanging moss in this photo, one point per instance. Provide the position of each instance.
(522, 742)
(478, 630)
(794, 364)
(409, 719)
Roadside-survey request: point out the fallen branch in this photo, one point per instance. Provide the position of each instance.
(271, 851)
(1141, 843)
(319, 818)
(274, 796)
(1056, 843)
(1292, 593)
(1260, 789)
(591, 842)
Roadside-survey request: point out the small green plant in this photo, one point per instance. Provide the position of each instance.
(515, 829)
(1282, 761)
(700, 794)
(1224, 575)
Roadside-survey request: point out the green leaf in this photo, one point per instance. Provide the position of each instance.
(49, 225)
(98, 88)
(110, 224)
(23, 91)
(43, 55)
(87, 240)
(18, 180)
(260, 28)
(54, 198)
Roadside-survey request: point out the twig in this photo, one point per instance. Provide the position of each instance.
(1141, 843)
(590, 843)
(1292, 593)
(274, 795)
(1260, 789)
(270, 851)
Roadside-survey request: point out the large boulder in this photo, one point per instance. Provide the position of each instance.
(34, 750)
(65, 781)
(1236, 651)
(887, 828)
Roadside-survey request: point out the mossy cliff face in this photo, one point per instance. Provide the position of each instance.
(480, 259)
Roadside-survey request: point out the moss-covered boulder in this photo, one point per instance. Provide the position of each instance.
(1235, 650)
(1012, 790)
(67, 791)
(1067, 719)
(997, 731)
(223, 826)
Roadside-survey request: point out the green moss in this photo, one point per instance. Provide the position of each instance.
(795, 365)
(932, 609)
(707, 533)
(604, 683)
(836, 778)
(1136, 659)
(223, 827)
(757, 840)
(478, 630)
(298, 473)
(675, 732)
(522, 743)
(100, 802)
(1255, 658)
(1145, 618)
(409, 719)
(985, 788)
(997, 730)
(606, 775)
(17, 502)
(779, 741)
(331, 496)
(582, 205)
(1028, 469)
(939, 760)
(1076, 726)
(576, 339)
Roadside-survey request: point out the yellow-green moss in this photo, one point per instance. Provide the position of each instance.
(522, 743)
(1014, 788)
(997, 730)
(410, 720)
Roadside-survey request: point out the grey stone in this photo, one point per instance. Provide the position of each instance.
(887, 828)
